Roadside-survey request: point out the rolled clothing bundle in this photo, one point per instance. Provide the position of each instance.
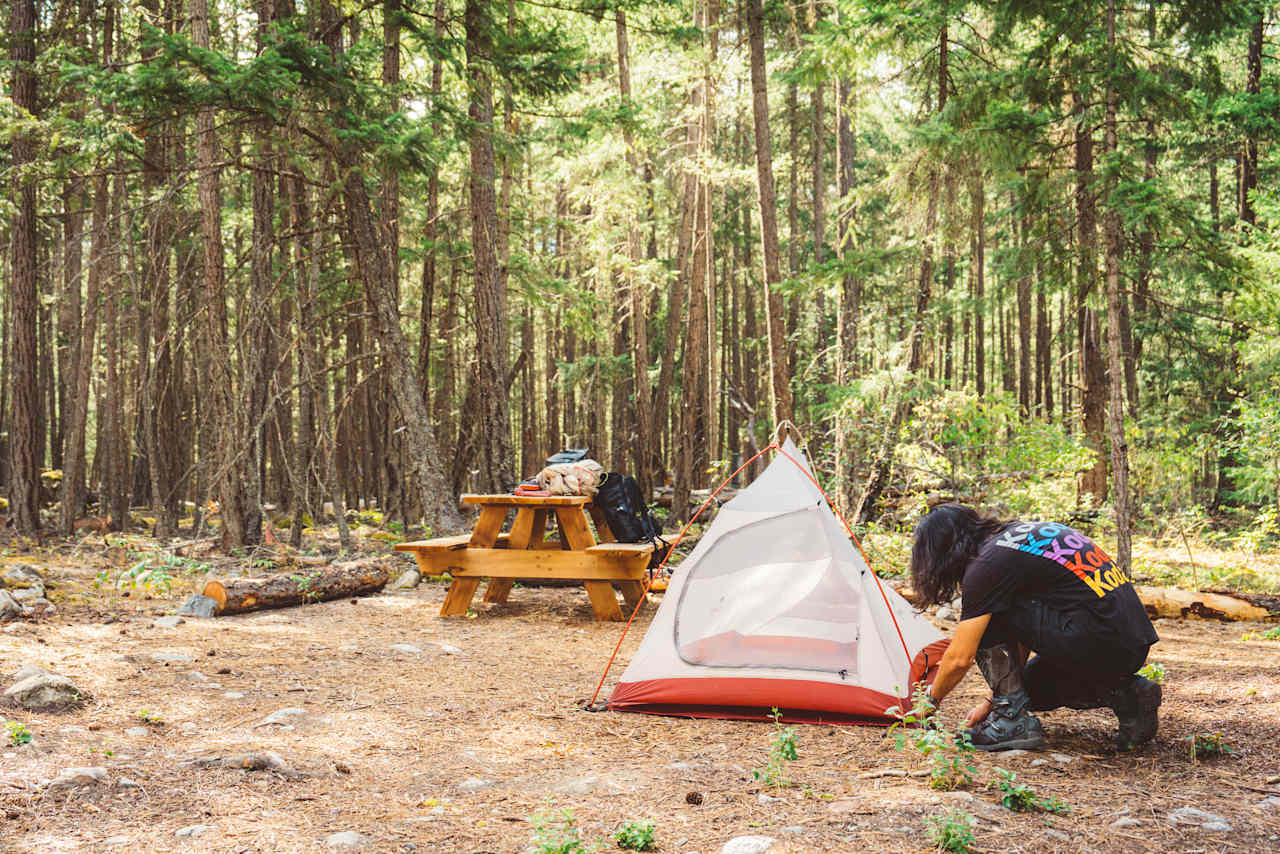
(580, 478)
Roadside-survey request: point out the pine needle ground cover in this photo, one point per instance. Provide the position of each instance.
(458, 746)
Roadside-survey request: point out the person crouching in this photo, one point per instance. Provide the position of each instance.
(1042, 587)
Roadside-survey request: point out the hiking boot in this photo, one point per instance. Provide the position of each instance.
(1136, 703)
(1009, 726)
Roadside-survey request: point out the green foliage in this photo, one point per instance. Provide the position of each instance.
(1154, 671)
(1204, 745)
(18, 733)
(305, 582)
(636, 835)
(782, 749)
(150, 718)
(557, 832)
(947, 755)
(1020, 797)
(1272, 633)
(952, 831)
(155, 572)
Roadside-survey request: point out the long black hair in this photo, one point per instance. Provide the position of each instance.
(945, 541)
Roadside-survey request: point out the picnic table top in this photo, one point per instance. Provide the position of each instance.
(527, 500)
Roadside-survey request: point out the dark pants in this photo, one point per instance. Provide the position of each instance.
(1078, 660)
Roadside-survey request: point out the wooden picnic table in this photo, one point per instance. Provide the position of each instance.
(525, 552)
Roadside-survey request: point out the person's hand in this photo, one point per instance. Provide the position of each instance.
(978, 713)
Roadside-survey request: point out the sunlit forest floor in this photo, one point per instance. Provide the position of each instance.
(458, 740)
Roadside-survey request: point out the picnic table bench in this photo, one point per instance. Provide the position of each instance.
(525, 552)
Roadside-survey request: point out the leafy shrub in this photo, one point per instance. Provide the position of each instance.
(18, 733)
(1020, 797)
(1205, 745)
(952, 831)
(948, 755)
(636, 835)
(557, 832)
(1154, 671)
(782, 749)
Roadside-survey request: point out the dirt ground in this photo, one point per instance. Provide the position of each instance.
(455, 747)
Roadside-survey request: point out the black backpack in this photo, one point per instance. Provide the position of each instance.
(622, 503)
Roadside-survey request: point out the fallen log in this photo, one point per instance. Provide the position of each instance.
(337, 581)
(1190, 604)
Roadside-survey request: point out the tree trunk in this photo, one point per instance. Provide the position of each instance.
(322, 584)
(1253, 86)
(24, 443)
(1093, 482)
(641, 452)
(977, 224)
(878, 478)
(778, 356)
(850, 290)
(491, 422)
(1115, 413)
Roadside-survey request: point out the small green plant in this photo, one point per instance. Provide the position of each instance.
(150, 718)
(1205, 745)
(948, 754)
(636, 835)
(782, 749)
(1272, 633)
(305, 583)
(1154, 671)
(1020, 797)
(557, 832)
(154, 579)
(952, 831)
(18, 733)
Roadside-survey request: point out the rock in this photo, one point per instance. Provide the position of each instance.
(171, 657)
(199, 606)
(170, 622)
(1125, 821)
(1057, 834)
(40, 607)
(21, 575)
(10, 608)
(945, 613)
(262, 760)
(766, 799)
(27, 671)
(1036, 762)
(793, 828)
(27, 594)
(471, 784)
(1010, 754)
(679, 766)
(450, 648)
(233, 695)
(1062, 758)
(117, 840)
(589, 785)
(195, 676)
(44, 692)
(73, 777)
(407, 648)
(281, 717)
(1269, 803)
(748, 845)
(137, 731)
(127, 783)
(347, 840)
(195, 830)
(1192, 817)
(408, 580)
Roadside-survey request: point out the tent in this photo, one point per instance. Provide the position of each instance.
(776, 608)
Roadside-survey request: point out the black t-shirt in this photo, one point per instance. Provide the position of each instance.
(1062, 568)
